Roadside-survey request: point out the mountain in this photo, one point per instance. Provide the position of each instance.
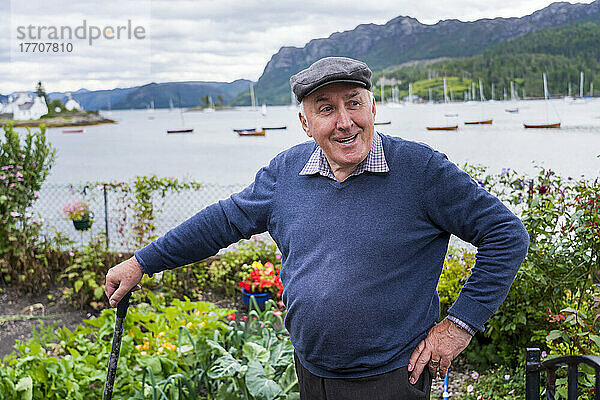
(186, 94)
(404, 39)
(562, 53)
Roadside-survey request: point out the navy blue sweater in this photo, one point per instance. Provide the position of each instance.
(362, 258)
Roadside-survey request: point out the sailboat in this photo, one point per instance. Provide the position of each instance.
(150, 109)
(481, 121)
(444, 127)
(182, 130)
(252, 99)
(514, 97)
(547, 101)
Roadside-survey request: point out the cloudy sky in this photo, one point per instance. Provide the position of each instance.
(142, 41)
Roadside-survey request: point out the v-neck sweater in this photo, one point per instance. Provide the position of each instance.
(361, 258)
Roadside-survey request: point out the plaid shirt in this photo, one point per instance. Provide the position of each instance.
(375, 161)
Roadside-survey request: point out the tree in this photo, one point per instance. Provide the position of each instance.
(41, 92)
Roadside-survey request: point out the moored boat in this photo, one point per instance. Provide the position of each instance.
(485, 122)
(555, 125)
(171, 131)
(251, 132)
(73, 131)
(383, 123)
(442, 128)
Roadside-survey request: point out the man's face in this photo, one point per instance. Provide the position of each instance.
(340, 117)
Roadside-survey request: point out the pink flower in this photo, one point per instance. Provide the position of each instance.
(507, 377)
(475, 375)
(470, 388)
(12, 185)
(72, 254)
(36, 194)
(244, 318)
(544, 354)
(14, 214)
(277, 313)
(120, 255)
(512, 391)
(278, 256)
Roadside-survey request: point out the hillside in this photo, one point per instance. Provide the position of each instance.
(188, 94)
(404, 39)
(561, 52)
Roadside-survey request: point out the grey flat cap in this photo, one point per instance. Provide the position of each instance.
(330, 70)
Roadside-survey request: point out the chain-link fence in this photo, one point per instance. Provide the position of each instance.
(113, 214)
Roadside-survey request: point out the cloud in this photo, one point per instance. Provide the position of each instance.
(198, 40)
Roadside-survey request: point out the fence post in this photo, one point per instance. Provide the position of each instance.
(532, 374)
(106, 215)
(572, 380)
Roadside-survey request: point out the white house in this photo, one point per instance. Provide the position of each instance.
(71, 104)
(24, 107)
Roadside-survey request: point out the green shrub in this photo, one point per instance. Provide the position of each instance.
(83, 279)
(24, 165)
(456, 271)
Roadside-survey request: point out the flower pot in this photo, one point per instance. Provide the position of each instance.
(82, 224)
(261, 298)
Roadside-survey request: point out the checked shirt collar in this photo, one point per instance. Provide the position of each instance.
(375, 161)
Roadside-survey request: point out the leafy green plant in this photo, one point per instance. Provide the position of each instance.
(84, 277)
(24, 165)
(233, 266)
(65, 364)
(253, 359)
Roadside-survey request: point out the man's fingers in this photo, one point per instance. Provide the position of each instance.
(415, 355)
(420, 364)
(444, 366)
(118, 295)
(434, 367)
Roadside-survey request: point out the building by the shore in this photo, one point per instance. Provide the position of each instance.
(22, 106)
(71, 104)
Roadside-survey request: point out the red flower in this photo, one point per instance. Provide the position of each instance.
(556, 318)
(231, 316)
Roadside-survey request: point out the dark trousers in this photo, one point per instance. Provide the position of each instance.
(393, 385)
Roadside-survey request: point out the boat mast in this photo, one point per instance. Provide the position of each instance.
(581, 85)
(481, 97)
(492, 90)
(252, 100)
(445, 91)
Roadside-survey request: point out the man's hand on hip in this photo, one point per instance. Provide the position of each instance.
(443, 343)
(122, 278)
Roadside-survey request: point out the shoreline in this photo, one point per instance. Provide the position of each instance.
(79, 119)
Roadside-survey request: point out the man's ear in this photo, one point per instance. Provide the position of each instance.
(373, 108)
(304, 123)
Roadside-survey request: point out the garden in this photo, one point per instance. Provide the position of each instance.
(177, 345)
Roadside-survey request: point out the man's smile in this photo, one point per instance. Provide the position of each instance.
(347, 140)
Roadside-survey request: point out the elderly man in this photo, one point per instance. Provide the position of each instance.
(363, 222)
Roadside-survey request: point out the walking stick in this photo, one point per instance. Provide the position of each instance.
(116, 347)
